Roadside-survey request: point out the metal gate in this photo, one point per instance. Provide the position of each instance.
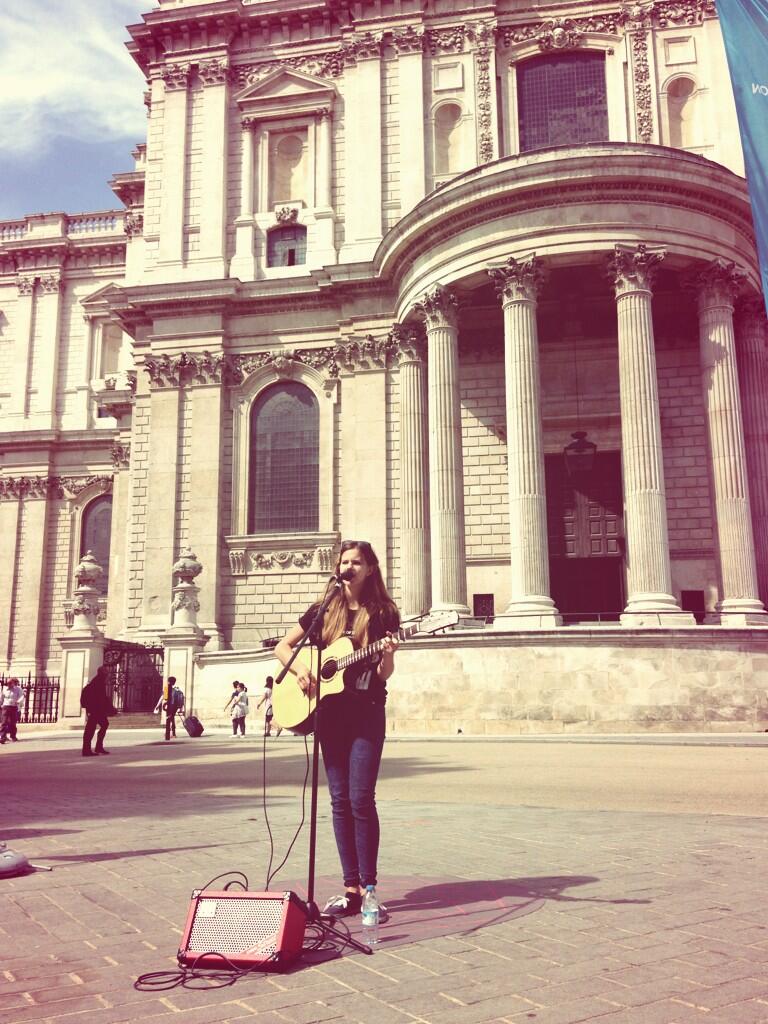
(41, 697)
(135, 675)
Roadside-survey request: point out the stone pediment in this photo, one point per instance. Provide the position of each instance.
(286, 92)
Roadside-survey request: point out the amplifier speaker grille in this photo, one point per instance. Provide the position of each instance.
(250, 929)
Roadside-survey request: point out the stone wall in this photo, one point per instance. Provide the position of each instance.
(584, 681)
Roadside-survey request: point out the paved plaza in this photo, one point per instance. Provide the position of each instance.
(548, 881)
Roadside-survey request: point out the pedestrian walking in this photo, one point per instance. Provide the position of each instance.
(268, 712)
(11, 699)
(239, 703)
(98, 707)
(172, 702)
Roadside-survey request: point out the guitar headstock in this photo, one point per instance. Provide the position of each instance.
(434, 622)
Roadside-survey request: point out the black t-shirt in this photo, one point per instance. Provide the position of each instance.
(362, 679)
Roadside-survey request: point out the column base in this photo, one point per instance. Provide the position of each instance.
(535, 612)
(742, 612)
(655, 611)
(446, 606)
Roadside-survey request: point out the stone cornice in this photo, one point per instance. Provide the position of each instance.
(589, 177)
(13, 488)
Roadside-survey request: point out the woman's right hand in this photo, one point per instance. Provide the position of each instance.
(306, 680)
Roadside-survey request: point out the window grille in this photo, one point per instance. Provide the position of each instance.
(562, 100)
(284, 477)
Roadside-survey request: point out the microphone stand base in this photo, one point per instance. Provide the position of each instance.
(321, 921)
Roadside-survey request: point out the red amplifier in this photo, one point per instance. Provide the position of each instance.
(258, 930)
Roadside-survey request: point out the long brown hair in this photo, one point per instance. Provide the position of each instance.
(374, 600)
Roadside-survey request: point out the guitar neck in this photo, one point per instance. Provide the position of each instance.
(374, 648)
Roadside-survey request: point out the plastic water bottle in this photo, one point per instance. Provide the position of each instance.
(370, 916)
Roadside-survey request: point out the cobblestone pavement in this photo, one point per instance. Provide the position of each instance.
(499, 912)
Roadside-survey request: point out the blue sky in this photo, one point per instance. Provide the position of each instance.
(71, 103)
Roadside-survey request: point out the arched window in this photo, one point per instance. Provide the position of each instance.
(287, 246)
(95, 533)
(681, 109)
(284, 475)
(448, 139)
(287, 167)
(562, 100)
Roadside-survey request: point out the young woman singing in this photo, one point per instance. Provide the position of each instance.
(351, 724)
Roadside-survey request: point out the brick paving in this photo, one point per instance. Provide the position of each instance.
(499, 913)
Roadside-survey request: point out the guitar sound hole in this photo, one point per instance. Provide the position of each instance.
(329, 669)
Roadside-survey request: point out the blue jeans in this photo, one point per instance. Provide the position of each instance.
(351, 732)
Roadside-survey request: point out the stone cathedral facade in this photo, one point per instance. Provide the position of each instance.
(474, 282)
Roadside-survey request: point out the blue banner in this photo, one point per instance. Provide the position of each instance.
(745, 31)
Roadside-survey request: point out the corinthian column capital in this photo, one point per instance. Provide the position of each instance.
(634, 268)
(408, 343)
(752, 325)
(518, 280)
(439, 307)
(718, 284)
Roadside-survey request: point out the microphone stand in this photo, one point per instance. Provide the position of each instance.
(316, 631)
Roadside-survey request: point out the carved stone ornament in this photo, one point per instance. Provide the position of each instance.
(719, 283)
(409, 344)
(518, 280)
(321, 359)
(187, 567)
(133, 224)
(483, 35)
(88, 572)
(635, 267)
(256, 555)
(559, 34)
(446, 40)
(368, 353)
(439, 307)
(752, 325)
(176, 76)
(366, 46)
(603, 24)
(408, 40)
(637, 19)
(323, 65)
(86, 606)
(687, 12)
(121, 455)
(283, 560)
(213, 72)
(287, 215)
(50, 284)
(186, 600)
(49, 487)
(25, 284)
(187, 369)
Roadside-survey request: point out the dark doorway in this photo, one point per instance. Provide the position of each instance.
(586, 538)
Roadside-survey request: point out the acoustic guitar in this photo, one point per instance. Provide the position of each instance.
(294, 710)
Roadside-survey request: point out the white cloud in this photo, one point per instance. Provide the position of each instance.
(64, 70)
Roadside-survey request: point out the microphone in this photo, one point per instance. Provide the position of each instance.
(344, 577)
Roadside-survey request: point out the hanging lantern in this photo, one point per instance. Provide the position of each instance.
(579, 454)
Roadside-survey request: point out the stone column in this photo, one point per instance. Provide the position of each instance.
(83, 646)
(650, 601)
(365, 494)
(184, 640)
(530, 605)
(243, 263)
(362, 148)
(171, 245)
(22, 349)
(324, 248)
(446, 463)
(47, 316)
(10, 516)
(752, 347)
(162, 488)
(409, 43)
(38, 492)
(414, 480)
(739, 603)
(214, 75)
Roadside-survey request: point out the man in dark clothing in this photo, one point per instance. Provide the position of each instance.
(98, 707)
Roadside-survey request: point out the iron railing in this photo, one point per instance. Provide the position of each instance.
(41, 697)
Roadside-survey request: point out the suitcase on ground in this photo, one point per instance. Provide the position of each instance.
(193, 725)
